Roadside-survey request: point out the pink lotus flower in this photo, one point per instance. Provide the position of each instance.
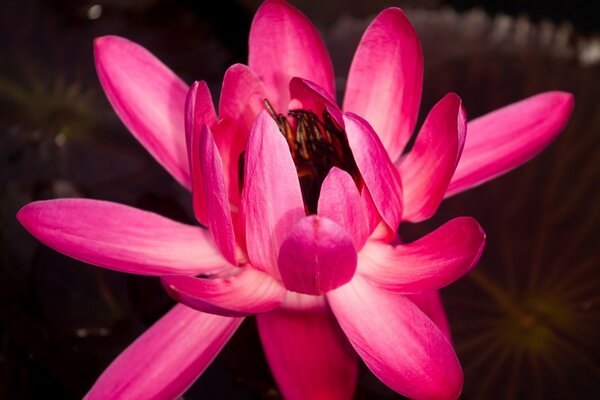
(301, 201)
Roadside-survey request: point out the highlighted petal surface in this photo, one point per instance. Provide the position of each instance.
(167, 358)
(310, 357)
(340, 201)
(121, 238)
(317, 256)
(426, 171)
(149, 98)
(245, 292)
(429, 263)
(199, 110)
(386, 79)
(431, 304)
(283, 43)
(378, 172)
(272, 200)
(210, 193)
(398, 343)
(504, 139)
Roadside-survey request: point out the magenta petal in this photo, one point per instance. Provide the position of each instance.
(199, 110)
(431, 304)
(341, 202)
(209, 192)
(167, 358)
(317, 256)
(271, 200)
(283, 43)
(398, 343)
(312, 97)
(379, 174)
(309, 356)
(121, 238)
(429, 263)
(426, 171)
(506, 138)
(149, 98)
(245, 291)
(386, 79)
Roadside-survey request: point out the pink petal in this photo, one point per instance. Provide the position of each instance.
(167, 358)
(149, 98)
(341, 202)
(431, 304)
(199, 110)
(310, 96)
(283, 43)
(378, 172)
(317, 256)
(398, 343)
(209, 192)
(121, 238)
(242, 99)
(245, 291)
(386, 78)
(429, 263)
(309, 356)
(508, 137)
(271, 200)
(426, 171)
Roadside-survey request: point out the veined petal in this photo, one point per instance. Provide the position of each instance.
(210, 194)
(272, 200)
(429, 263)
(167, 358)
(386, 79)
(506, 138)
(398, 343)
(121, 238)
(245, 291)
(149, 98)
(341, 202)
(283, 43)
(312, 97)
(242, 99)
(426, 171)
(431, 304)
(317, 256)
(310, 357)
(378, 172)
(199, 110)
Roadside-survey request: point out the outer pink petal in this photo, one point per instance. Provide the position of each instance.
(210, 194)
(148, 97)
(426, 171)
(121, 238)
(283, 44)
(386, 78)
(167, 358)
(378, 172)
(245, 291)
(199, 110)
(431, 304)
(317, 256)
(341, 202)
(242, 99)
(309, 356)
(399, 344)
(506, 138)
(430, 263)
(272, 200)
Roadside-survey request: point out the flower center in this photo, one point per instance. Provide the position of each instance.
(316, 146)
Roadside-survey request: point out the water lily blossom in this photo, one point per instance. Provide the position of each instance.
(301, 200)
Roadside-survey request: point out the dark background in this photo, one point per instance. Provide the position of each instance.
(526, 322)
